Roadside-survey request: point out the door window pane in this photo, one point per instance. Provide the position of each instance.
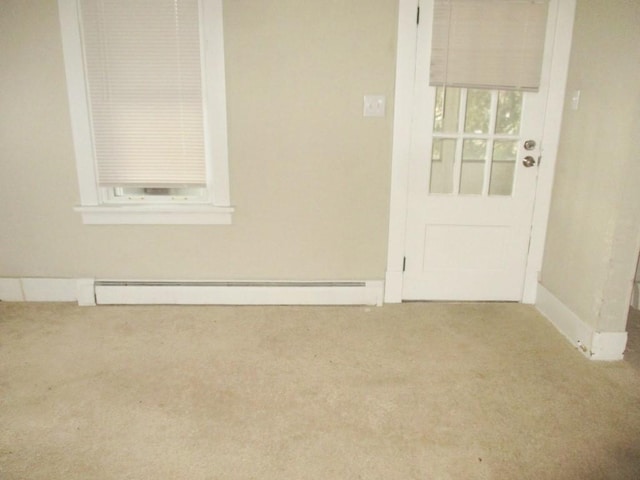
(474, 152)
(442, 160)
(447, 108)
(476, 134)
(509, 112)
(503, 165)
(478, 112)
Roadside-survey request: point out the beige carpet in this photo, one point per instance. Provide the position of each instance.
(414, 391)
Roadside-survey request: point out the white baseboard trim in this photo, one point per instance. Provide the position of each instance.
(42, 289)
(594, 345)
(393, 287)
(568, 323)
(49, 290)
(608, 346)
(85, 292)
(110, 292)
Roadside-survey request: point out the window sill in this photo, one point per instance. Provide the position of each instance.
(155, 215)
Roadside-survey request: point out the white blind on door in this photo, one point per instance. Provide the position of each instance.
(488, 43)
(142, 60)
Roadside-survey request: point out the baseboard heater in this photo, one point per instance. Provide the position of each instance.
(111, 292)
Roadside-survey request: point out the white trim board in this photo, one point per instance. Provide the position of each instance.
(46, 290)
(551, 142)
(113, 292)
(594, 345)
(402, 120)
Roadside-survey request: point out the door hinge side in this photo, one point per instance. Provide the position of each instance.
(418, 16)
(404, 264)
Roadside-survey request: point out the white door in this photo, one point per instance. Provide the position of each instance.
(472, 183)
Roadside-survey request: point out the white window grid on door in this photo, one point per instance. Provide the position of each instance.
(460, 136)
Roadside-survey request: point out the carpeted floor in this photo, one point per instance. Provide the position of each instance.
(412, 391)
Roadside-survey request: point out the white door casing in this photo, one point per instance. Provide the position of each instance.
(458, 224)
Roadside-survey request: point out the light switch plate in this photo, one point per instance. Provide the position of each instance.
(374, 105)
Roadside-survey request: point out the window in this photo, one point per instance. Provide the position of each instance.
(147, 98)
(476, 133)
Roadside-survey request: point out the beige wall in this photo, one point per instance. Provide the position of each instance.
(309, 175)
(594, 228)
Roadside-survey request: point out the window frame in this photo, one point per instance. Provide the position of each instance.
(96, 206)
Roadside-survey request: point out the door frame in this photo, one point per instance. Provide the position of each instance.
(402, 123)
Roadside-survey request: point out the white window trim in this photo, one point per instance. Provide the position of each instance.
(217, 210)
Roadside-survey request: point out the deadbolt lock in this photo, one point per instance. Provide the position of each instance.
(529, 144)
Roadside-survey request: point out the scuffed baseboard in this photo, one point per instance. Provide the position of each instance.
(595, 345)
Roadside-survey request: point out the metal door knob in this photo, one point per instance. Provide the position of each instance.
(529, 161)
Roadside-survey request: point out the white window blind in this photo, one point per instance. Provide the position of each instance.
(496, 44)
(143, 68)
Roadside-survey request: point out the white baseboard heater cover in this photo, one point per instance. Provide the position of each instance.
(110, 292)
